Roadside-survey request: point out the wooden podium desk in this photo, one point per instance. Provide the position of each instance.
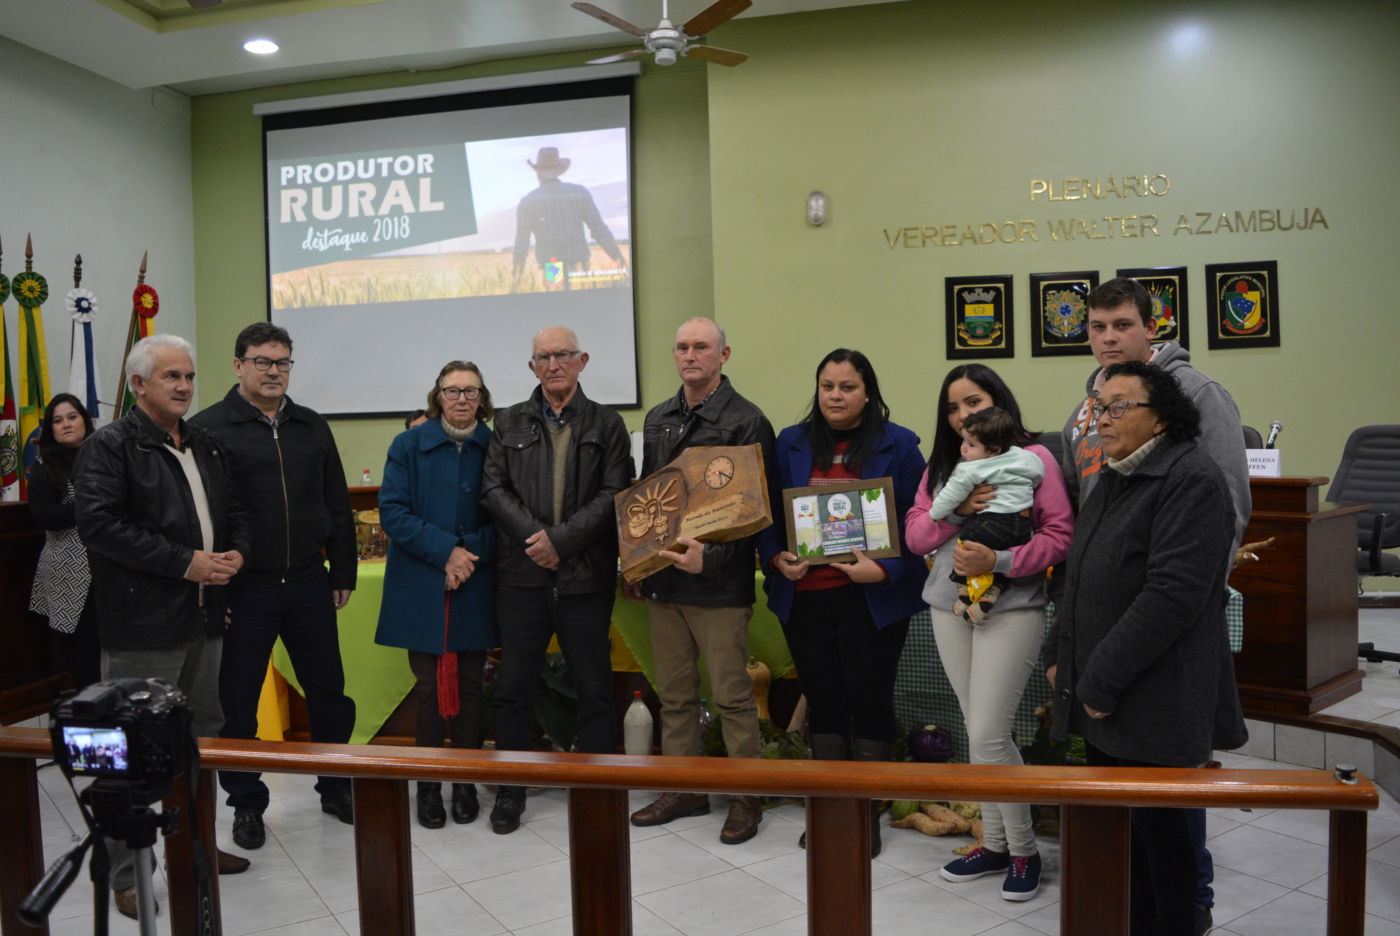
(1300, 635)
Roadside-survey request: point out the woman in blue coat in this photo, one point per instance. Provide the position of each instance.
(439, 584)
(846, 622)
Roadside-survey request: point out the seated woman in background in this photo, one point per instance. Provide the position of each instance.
(439, 585)
(845, 622)
(62, 581)
(1140, 659)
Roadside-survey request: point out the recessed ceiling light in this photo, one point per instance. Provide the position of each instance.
(260, 46)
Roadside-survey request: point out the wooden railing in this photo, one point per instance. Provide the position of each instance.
(1094, 824)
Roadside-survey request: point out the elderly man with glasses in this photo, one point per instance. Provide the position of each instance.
(287, 469)
(554, 465)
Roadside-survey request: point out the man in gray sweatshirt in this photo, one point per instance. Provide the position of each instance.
(1121, 328)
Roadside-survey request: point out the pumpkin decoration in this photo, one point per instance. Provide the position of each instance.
(762, 676)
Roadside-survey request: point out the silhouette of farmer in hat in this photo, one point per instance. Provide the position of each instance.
(555, 214)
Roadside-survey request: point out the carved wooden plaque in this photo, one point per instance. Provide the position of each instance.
(714, 494)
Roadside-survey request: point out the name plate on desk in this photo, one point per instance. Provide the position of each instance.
(1264, 463)
(714, 494)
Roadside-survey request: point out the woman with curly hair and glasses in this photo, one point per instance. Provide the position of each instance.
(1140, 659)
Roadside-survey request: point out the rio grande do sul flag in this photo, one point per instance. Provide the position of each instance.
(9, 425)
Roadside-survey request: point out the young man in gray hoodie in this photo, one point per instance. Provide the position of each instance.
(1121, 328)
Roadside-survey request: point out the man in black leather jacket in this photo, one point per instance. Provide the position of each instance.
(288, 472)
(554, 465)
(165, 532)
(701, 605)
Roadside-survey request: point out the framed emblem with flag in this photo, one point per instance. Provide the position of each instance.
(978, 312)
(1167, 287)
(1060, 312)
(1243, 304)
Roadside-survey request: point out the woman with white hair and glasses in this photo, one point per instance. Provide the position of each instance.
(439, 585)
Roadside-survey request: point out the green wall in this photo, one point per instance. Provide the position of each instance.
(933, 113)
(672, 233)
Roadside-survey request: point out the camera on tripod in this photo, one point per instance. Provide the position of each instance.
(132, 735)
(135, 739)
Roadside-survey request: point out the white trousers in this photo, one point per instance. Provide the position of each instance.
(988, 665)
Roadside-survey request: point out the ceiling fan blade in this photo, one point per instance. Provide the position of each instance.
(609, 18)
(717, 13)
(619, 57)
(718, 56)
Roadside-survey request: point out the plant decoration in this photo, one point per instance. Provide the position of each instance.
(1044, 750)
(773, 742)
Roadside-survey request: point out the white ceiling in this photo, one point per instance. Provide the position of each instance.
(392, 35)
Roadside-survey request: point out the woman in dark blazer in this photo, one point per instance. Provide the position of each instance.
(845, 623)
(1140, 658)
(439, 584)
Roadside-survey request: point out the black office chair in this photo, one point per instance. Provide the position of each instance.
(1370, 474)
(1054, 442)
(1252, 438)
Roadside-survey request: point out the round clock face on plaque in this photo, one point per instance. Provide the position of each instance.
(719, 472)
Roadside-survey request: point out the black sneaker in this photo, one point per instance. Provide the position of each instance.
(248, 831)
(1203, 923)
(505, 815)
(340, 805)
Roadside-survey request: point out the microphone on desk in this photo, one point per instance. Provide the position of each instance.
(1274, 428)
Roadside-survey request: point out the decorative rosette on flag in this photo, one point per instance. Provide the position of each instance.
(4, 287)
(81, 304)
(30, 289)
(82, 366)
(146, 304)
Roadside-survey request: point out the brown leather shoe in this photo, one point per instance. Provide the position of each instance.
(670, 806)
(231, 864)
(742, 823)
(125, 901)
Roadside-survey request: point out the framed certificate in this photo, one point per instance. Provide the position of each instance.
(825, 521)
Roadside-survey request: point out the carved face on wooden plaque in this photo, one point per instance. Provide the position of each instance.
(714, 494)
(655, 507)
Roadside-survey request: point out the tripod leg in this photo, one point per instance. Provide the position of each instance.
(145, 890)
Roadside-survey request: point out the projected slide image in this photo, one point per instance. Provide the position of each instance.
(537, 214)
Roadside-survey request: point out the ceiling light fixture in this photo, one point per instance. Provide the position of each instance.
(260, 46)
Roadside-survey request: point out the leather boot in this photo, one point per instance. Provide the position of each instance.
(866, 750)
(741, 824)
(826, 747)
(431, 814)
(465, 807)
(669, 806)
(505, 815)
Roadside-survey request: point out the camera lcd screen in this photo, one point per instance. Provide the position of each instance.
(96, 750)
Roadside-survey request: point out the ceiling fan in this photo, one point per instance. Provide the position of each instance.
(667, 42)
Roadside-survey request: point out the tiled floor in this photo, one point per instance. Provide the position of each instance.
(1271, 867)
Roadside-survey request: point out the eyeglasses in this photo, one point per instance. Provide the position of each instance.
(563, 357)
(1118, 408)
(266, 363)
(457, 393)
